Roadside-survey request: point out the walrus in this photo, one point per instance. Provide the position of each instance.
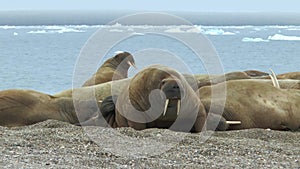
(207, 80)
(256, 105)
(25, 107)
(156, 97)
(114, 68)
(290, 75)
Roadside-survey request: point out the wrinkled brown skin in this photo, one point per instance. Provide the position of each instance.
(256, 73)
(206, 80)
(283, 83)
(290, 75)
(256, 105)
(26, 107)
(114, 68)
(138, 93)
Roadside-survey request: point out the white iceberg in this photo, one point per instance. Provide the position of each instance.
(246, 39)
(217, 32)
(116, 30)
(38, 32)
(138, 34)
(66, 30)
(284, 37)
(174, 30)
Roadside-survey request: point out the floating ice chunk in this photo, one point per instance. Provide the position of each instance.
(294, 29)
(63, 30)
(38, 32)
(174, 30)
(67, 30)
(254, 40)
(284, 37)
(217, 32)
(194, 30)
(117, 25)
(138, 34)
(116, 30)
(130, 29)
(15, 33)
(7, 27)
(54, 27)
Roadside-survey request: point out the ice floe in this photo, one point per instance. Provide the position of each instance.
(284, 37)
(217, 32)
(116, 30)
(246, 39)
(56, 30)
(175, 30)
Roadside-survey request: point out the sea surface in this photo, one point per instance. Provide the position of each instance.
(44, 58)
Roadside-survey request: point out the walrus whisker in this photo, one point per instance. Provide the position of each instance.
(166, 106)
(131, 64)
(178, 106)
(274, 79)
(233, 122)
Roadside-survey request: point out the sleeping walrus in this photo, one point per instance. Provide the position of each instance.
(114, 68)
(207, 80)
(256, 105)
(25, 107)
(158, 97)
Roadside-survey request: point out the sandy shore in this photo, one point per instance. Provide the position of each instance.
(53, 144)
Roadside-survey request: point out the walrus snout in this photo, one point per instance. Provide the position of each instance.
(171, 89)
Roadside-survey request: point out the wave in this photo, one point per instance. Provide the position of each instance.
(284, 37)
(246, 39)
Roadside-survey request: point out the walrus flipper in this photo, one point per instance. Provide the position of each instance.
(212, 119)
(108, 106)
(107, 109)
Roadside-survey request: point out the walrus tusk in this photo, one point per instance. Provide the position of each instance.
(233, 122)
(131, 64)
(274, 79)
(178, 106)
(166, 106)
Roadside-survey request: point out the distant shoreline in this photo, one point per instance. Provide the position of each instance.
(31, 18)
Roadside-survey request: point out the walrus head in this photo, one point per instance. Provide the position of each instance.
(155, 77)
(172, 90)
(123, 60)
(159, 96)
(157, 92)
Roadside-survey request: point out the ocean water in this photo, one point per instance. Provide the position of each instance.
(44, 58)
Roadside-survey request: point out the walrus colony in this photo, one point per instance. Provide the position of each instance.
(249, 103)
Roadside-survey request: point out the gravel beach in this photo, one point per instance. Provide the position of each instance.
(54, 144)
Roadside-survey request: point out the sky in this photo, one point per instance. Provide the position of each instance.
(156, 5)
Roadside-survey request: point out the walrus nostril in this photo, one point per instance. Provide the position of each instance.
(176, 87)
